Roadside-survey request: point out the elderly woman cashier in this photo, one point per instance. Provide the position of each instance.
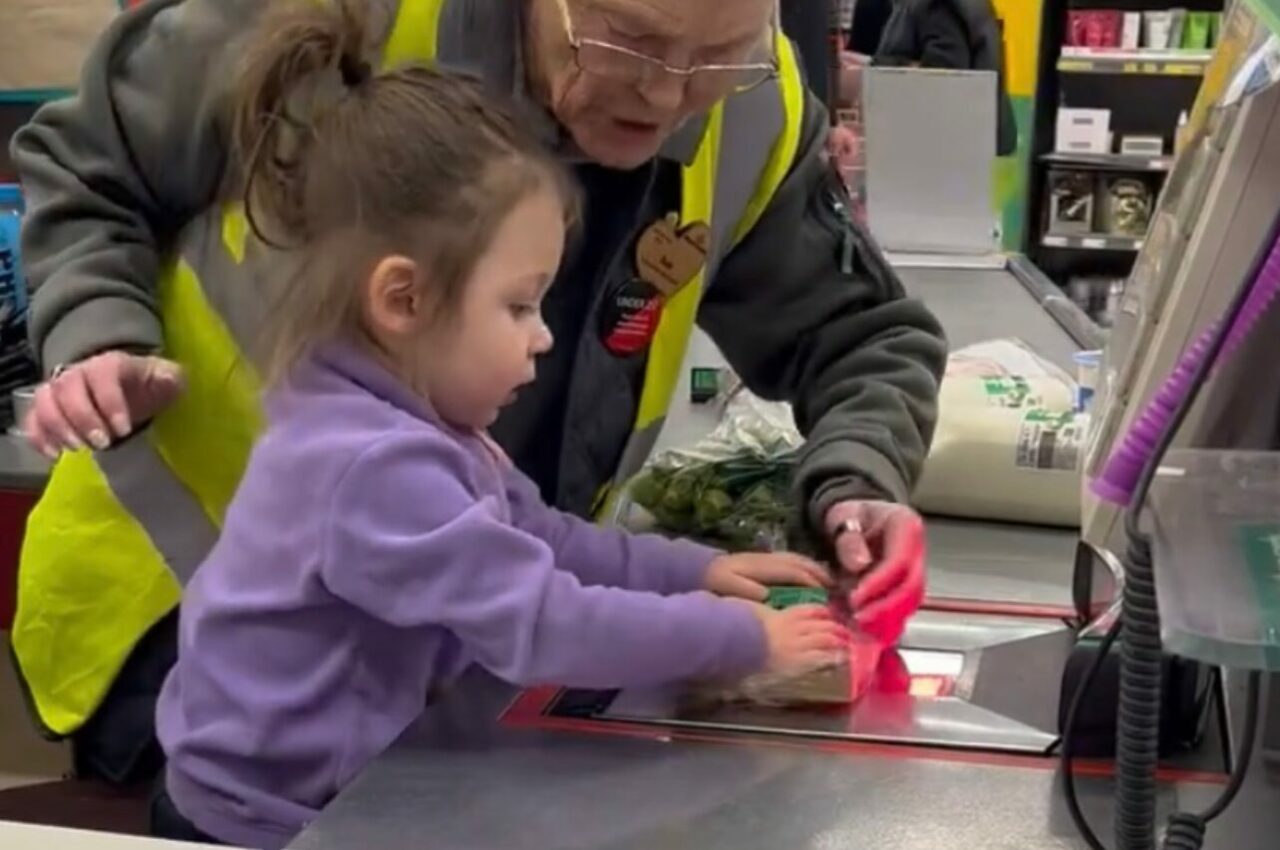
(706, 199)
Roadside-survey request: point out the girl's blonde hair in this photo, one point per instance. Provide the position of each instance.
(341, 165)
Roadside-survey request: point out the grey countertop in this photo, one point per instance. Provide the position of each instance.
(458, 780)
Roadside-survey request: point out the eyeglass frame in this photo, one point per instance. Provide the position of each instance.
(772, 68)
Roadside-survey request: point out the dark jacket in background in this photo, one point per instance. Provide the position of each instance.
(807, 22)
(959, 34)
(869, 19)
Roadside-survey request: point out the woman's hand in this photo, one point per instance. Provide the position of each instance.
(883, 544)
(100, 401)
(749, 575)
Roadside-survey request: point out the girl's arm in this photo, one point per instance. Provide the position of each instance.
(411, 545)
(608, 556)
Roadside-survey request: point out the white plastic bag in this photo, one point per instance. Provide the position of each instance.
(1008, 444)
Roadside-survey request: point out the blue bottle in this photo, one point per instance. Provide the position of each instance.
(13, 289)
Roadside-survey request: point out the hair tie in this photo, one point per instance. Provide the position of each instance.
(355, 71)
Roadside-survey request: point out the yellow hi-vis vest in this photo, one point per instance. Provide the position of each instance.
(117, 533)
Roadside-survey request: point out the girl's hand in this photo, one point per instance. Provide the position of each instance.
(802, 638)
(749, 575)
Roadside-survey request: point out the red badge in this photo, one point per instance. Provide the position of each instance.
(630, 318)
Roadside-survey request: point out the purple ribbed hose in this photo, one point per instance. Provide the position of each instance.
(1120, 476)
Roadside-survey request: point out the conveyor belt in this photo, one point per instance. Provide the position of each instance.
(991, 561)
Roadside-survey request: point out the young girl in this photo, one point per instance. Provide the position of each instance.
(380, 542)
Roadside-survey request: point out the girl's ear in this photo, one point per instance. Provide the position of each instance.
(396, 297)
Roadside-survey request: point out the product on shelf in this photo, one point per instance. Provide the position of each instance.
(1076, 24)
(1157, 28)
(1125, 206)
(1071, 202)
(1099, 28)
(1131, 31)
(1177, 23)
(1083, 130)
(1197, 33)
(1142, 145)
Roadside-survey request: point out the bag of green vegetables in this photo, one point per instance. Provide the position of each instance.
(732, 489)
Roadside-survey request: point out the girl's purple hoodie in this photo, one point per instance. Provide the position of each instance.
(372, 553)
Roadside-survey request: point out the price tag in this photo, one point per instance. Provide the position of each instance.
(1055, 242)
(1093, 244)
(1131, 67)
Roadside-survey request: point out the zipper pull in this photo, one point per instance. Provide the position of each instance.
(846, 241)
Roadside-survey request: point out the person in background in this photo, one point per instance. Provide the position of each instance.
(808, 23)
(866, 25)
(380, 541)
(706, 197)
(956, 34)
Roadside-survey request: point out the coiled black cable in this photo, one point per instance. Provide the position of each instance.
(1138, 722)
(1186, 832)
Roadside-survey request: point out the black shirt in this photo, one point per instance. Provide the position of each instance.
(532, 429)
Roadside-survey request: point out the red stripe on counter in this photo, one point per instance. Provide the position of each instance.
(1003, 609)
(529, 710)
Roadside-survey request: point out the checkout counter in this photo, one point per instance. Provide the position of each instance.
(488, 767)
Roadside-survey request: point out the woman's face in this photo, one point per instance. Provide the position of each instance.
(619, 108)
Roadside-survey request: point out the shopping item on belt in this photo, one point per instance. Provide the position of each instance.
(1009, 440)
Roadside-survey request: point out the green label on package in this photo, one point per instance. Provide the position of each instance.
(787, 597)
(1008, 391)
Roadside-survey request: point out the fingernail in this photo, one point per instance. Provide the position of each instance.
(98, 439)
(74, 442)
(120, 424)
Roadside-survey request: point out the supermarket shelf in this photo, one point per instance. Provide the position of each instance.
(1176, 63)
(33, 96)
(1092, 242)
(1111, 161)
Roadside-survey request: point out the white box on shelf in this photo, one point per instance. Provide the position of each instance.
(1142, 146)
(1131, 33)
(1084, 130)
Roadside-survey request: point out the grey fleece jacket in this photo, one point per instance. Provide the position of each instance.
(805, 309)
